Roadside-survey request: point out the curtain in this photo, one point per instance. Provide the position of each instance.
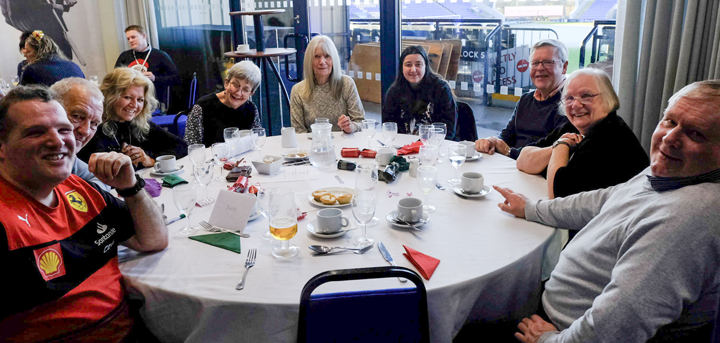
(140, 12)
(665, 45)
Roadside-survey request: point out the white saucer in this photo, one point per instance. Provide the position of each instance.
(291, 156)
(474, 158)
(485, 191)
(393, 214)
(311, 228)
(157, 173)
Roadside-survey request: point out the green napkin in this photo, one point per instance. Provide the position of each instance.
(403, 164)
(223, 240)
(171, 181)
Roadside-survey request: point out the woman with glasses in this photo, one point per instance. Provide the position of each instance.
(419, 96)
(325, 92)
(595, 149)
(230, 108)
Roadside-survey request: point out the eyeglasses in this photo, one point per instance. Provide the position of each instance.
(246, 90)
(583, 99)
(547, 64)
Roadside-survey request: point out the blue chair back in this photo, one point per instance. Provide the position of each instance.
(387, 315)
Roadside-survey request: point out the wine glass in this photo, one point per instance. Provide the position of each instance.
(428, 155)
(365, 199)
(456, 154)
(283, 221)
(203, 175)
(263, 204)
(260, 137)
(427, 178)
(369, 129)
(425, 133)
(15, 80)
(196, 153)
(184, 199)
(219, 151)
(230, 134)
(439, 136)
(389, 131)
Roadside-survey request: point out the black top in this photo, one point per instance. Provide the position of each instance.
(159, 63)
(48, 71)
(157, 142)
(431, 102)
(214, 116)
(532, 120)
(608, 155)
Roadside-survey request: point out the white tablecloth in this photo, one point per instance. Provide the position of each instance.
(490, 261)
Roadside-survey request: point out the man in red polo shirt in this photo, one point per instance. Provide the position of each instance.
(59, 234)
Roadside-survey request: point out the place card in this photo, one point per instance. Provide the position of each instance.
(232, 210)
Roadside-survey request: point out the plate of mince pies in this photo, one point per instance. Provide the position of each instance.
(331, 197)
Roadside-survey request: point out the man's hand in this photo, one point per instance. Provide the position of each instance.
(149, 75)
(113, 169)
(491, 144)
(345, 124)
(514, 202)
(532, 328)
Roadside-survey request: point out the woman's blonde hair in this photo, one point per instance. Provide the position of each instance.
(328, 47)
(114, 86)
(44, 45)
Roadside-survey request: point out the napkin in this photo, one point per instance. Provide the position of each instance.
(171, 181)
(153, 187)
(403, 164)
(425, 264)
(223, 240)
(413, 148)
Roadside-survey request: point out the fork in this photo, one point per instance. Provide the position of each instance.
(211, 228)
(249, 263)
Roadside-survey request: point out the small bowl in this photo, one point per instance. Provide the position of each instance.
(268, 168)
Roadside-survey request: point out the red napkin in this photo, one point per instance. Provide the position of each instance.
(425, 264)
(413, 148)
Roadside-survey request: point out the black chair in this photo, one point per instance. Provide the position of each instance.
(466, 126)
(387, 315)
(716, 329)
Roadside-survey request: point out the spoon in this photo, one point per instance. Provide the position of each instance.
(322, 250)
(333, 233)
(162, 210)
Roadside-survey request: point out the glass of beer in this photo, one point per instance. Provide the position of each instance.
(283, 221)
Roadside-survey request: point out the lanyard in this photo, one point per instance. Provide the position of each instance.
(146, 57)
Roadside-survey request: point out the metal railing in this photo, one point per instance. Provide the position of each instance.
(596, 39)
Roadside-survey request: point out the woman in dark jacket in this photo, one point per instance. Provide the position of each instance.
(419, 96)
(45, 63)
(126, 127)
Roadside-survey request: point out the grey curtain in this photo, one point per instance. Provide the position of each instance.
(140, 12)
(665, 45)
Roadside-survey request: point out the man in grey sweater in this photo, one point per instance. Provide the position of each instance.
(646, 265)
(83, 102)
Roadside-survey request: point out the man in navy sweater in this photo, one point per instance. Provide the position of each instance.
(153, 63)
(537, 113)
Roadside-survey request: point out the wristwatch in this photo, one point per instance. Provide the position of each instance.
(558, 142)
(128, 192)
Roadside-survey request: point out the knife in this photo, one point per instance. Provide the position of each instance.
(174, 219)
(386, 255)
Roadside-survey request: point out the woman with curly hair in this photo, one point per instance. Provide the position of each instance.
(126, 127)
(45, 63)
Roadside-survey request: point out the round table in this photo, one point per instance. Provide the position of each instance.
(490, 265)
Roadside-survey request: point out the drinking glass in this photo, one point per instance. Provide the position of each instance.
(389, 131)
(230, 134)
(365, 199)
(196, 152)
(439, 136)
(15, 81)
(283, 221)
(184, 199)
(219, 151)
(428, 155)
(369, 129)
(203, 175)
(427, 178)
(259, 134)
(425, 133)
(456, 154)
(263, 204)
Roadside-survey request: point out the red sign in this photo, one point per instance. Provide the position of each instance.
(477, 76)
(522, 65)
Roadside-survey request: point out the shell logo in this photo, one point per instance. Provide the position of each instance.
(50, 262)
(77, 201)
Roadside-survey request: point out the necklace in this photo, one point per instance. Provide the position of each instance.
(142, 68)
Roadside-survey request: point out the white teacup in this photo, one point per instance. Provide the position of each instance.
(410, 210)
(243, 48)
(330, 220)
(469, 148)
(472, 182)
(289, 139)
(384, 155)
(165, 164)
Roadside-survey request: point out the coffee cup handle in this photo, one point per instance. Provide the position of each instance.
(157, 166)
(344, 221)
(414, 214)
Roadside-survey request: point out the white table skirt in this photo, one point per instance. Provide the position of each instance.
(490, 261)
